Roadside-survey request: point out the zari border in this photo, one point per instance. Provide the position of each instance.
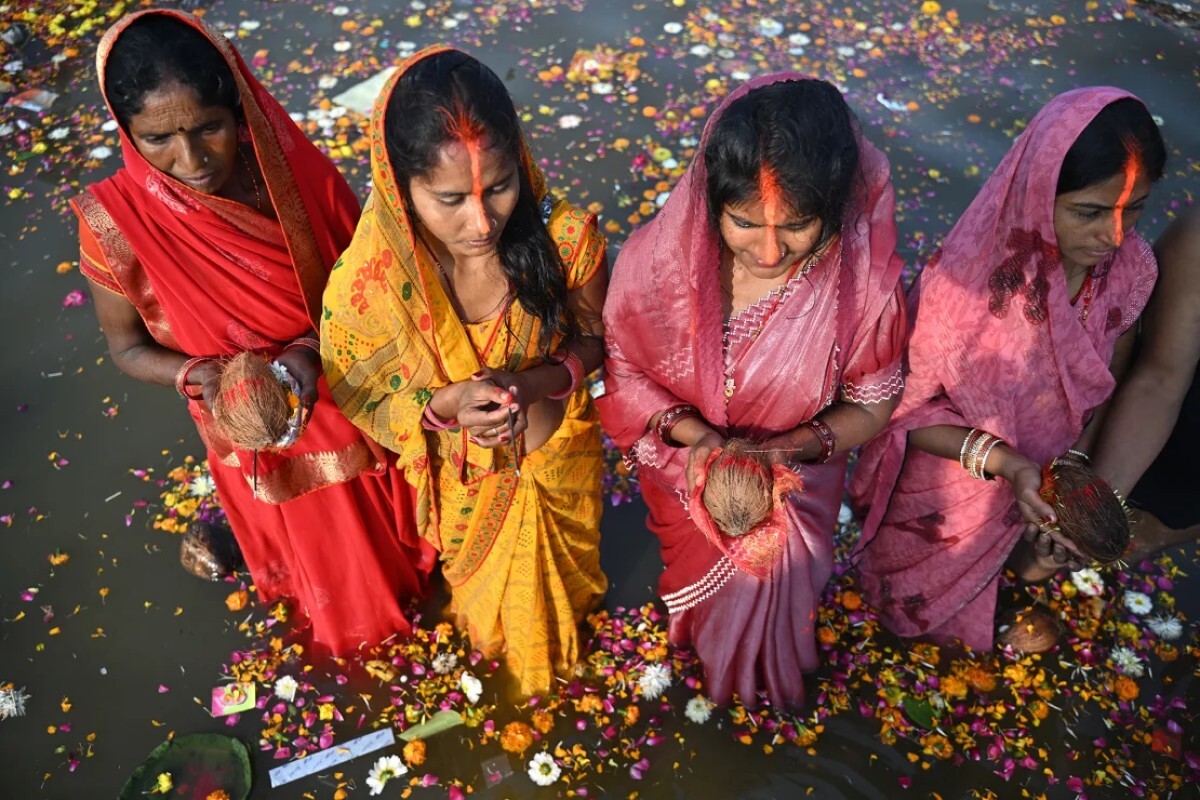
(306, 473)
(701, 590)
(491, 523)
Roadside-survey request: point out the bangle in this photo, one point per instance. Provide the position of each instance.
(825, 436)
(966, 445)
(1080, 455)
(672, 417)
(574, 365)
(432, 422)
(306, 341)
(987, 451)
(181, 376)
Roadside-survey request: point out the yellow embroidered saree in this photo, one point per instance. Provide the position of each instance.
(520, 555)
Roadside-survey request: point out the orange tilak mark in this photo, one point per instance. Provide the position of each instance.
(1131, 176)
(771, 193)
(467, 130)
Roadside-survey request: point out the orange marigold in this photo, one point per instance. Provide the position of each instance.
(516, 737)
(851, 601)
(1126, 688)
(543, 720)
(826, 635)
(219, 794)
(980, 679)
(414, 753)
(236, 601)
(954, 686)
(937, 745)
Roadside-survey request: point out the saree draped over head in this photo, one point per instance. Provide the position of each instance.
(997, 345)
(832, 334)
(211, 277)
(520, 553)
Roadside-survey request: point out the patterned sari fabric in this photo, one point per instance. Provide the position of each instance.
(996, 344)
(833, 333)
(520, 553)
(212, 278)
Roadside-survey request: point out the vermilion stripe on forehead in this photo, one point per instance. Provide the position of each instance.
(467, 130)
(1131, 175)
(771, 192)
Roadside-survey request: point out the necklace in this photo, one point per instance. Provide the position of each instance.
(253, 180)
(450, 286)
(777, 296)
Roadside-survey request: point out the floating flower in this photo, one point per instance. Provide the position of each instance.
(414, 753)
(163, 784)
(101, 152)
(1126, 662)
(471, 686)
(569, 121)
(654, 681)
(1126, 688)
(444, 663)
(1166, 627)
(1138, 603)
(202, 486)
(59, 133)
(1088, 582)
(698, 709)
(236, 601)
(285, 688)
(516, 737)
(543, 769)
(385, 769)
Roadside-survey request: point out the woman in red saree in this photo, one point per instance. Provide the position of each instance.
(1016, 324)
(763, 302)
(217, 238)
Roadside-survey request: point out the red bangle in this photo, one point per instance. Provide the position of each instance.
(574, 365)
(825, 436)
(672, 417)
(432, 422)
(181, 376)
(306, 341)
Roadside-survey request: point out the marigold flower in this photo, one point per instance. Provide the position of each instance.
(219, 794)
(516, 738)
(414, 753)
(954, 686)
(544, 721)
(851, 601)
(826, 635)
(236, 601)
(980, 679)
(937, 745)
(1126, 688)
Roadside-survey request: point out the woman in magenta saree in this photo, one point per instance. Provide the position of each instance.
(1015, 323)
(763, 302)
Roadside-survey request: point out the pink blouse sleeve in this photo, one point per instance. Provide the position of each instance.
(874, 372)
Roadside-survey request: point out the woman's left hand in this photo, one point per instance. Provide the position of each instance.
(305, 366)
(521, 397)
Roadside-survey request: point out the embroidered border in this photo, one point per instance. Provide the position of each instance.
(874, 391)
(491, 522)
(701, 590)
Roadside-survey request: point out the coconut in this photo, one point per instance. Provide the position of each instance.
(252, 408)
(738, 488)
(1089, 512)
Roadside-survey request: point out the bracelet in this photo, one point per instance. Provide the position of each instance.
(306, 341)
(574, 365)
(825, 436)
(1079, 454)
(432, 422)
(966, 445)
(672, 417)
(181, 376)
(977, 446)
(982, 464)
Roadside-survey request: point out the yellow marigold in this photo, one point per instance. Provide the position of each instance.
(851, 601)
(544, 721)
(1039, 709)
(930, 8)
(954, 686)
(1125, 688)
(588, 704)
(414, 753)
(632, 715)
(1088, 628)
(1016, 673)
(937, 745)
(219, 794)
(980, 679)
(516, 738)
(1167, 652)
(826, 635)
(236, 601)
(923, 651)
(805, 736)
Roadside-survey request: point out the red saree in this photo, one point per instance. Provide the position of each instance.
(331, 526)
(996, 344)
(835, 333)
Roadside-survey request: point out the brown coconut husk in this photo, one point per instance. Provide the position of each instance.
(1089, 512)
(251, 407)
(738, 490)
(1031, 630)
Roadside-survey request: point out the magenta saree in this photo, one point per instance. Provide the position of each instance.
(833, 334)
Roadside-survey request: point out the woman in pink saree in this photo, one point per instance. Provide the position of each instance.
(763, 302)
(1018, 328)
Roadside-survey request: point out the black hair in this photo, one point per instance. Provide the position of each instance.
(423, 114)
(1121, 129)
(156, 50)
(804, 131)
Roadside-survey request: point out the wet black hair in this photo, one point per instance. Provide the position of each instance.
(805, 132)
(1121, 128)
(157, 50)
(423, 114)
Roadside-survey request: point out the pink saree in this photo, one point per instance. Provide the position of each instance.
(996, 344)
(835, 333)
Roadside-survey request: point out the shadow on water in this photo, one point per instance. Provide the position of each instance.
(129, 661)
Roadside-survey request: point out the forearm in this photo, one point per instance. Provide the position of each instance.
(552, 378)
(850, 423)
(1138, 423)
(153, 363)
(947, 441)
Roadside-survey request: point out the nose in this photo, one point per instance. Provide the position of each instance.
(1114, 231)
(772, 250)
(192, 157)
(480, 220)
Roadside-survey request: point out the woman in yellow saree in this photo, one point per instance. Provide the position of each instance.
(456, 331)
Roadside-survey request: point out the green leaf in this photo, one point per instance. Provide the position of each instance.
(441, 721)
(919, 711)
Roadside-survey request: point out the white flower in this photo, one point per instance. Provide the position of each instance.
(444, 663)
(698, 709)
(770, 27)
(654, 681)
(568, 121)
(59, 133)
(285, 688)
(1088, 582)
(1127, 662)
(327, 82)
(471, 686)
(202, 486)
(1138, 603)
(250, 25)
(341, 46)
(384, 770)
(100, 152)
(1166, 627)
(339, 11)
(543, 769)
(701, 50)
(672, 27)
(110, 125)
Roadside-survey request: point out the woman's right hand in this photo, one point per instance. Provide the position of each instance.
(208, 376)
(483, 409)
(698, 455)
(1024, 476)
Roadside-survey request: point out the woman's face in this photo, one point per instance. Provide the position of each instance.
(1092, 222)
(193, 143)
(767, 238)
(467, 198)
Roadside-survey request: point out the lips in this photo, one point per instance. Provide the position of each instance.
(200, 180)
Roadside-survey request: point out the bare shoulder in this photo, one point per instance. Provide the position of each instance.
(1178, 250)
